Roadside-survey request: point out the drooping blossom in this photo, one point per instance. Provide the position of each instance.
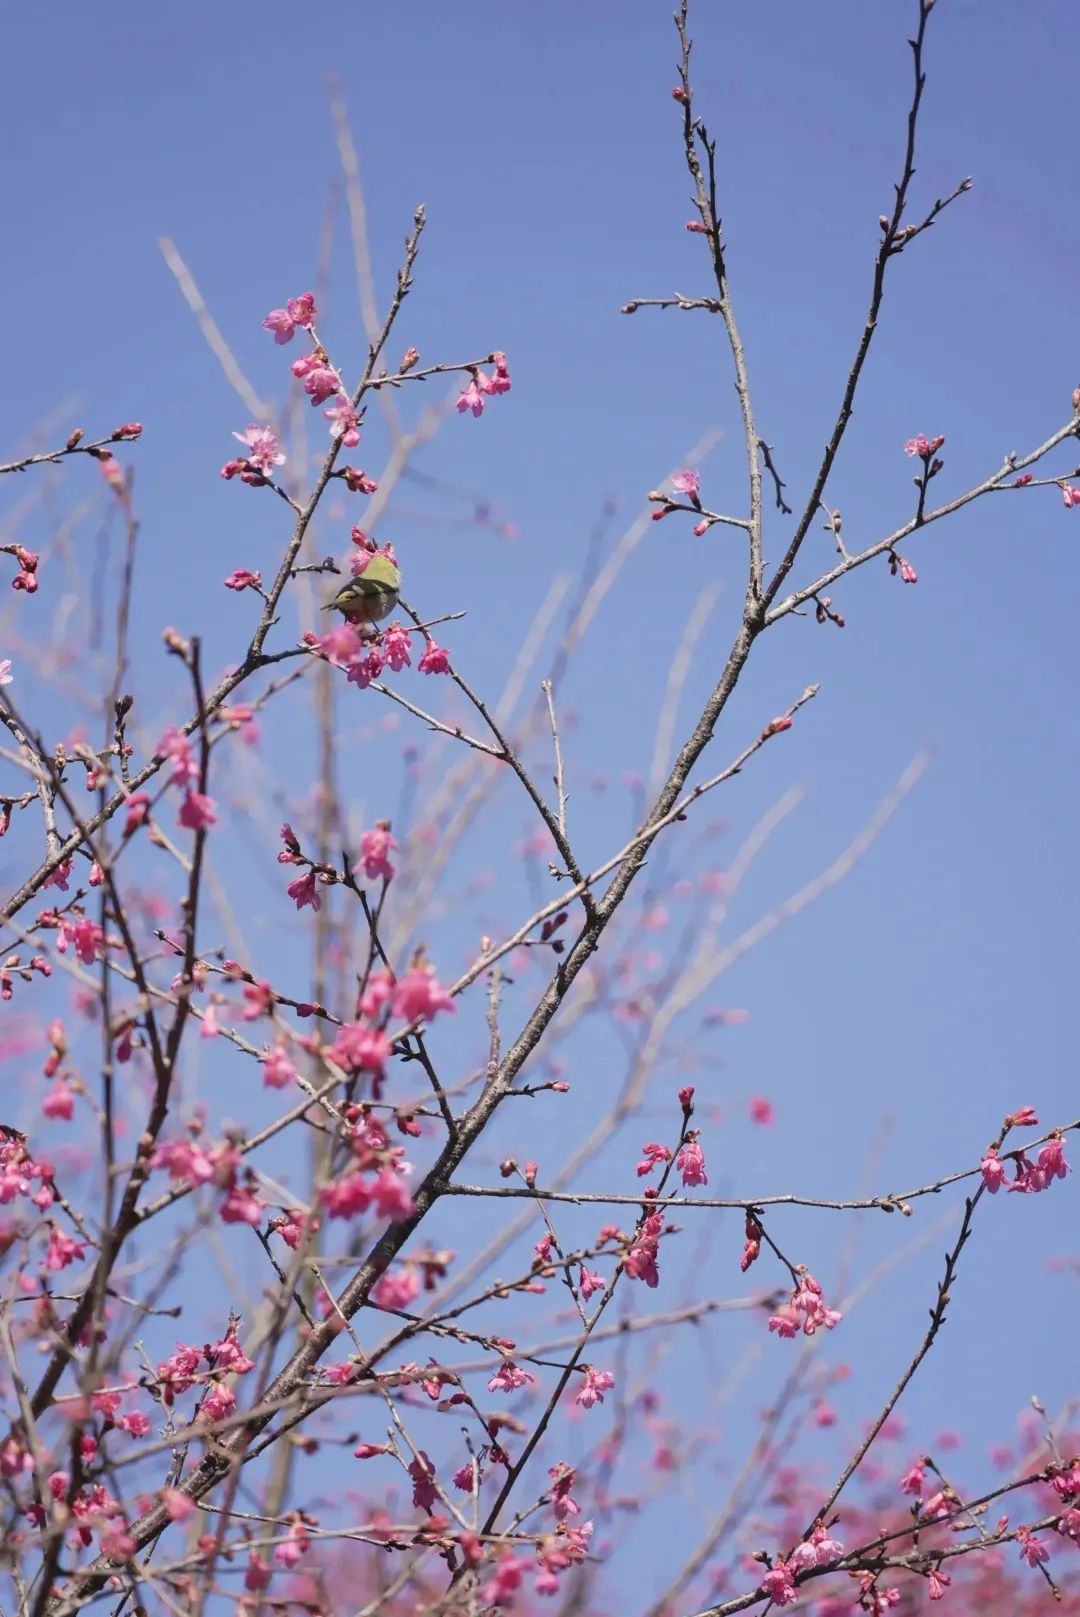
(593, 1388)
(589, 1282)
(993, 1171)
(690, 1162)
(1070, 495)
(471, 398)
(687, 482)
(436, 659)
(396, 647)
(305, 891)
(376, 847)
(422, 1472)
(779, 1585)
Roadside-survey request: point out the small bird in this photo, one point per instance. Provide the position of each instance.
(371, 595)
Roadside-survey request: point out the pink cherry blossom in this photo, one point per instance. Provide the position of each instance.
(341, 644)
(422, 1472)
(359, 1048)
(391, 1196)
(396, 1290)
(686, 482)
(595, 1385)
(265, 451)
(177, 746)
(138, 808)
(197, 811)
(436, 659)
(652, 1154)
(344, 421)
(297, 312)
(178, 1506)
(590, 1282)
(471, 399)
(993, 1171)
(779, 1585)
(376, 847)
(1070, 495)
(937, 1583)
(320, 380)
(690, 1162)
(60, 876)
(418, 994)
(278, 1070)
(242, 578)
(304, 891)
(59, 1103)
(396, 647)
(1032, 1550)
(509, 1377)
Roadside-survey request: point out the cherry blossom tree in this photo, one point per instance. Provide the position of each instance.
(435, 1273)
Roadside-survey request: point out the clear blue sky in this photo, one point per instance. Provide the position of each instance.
(935, 988)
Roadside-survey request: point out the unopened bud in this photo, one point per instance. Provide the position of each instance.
(410, 358)
(75, 438)
(679, 94)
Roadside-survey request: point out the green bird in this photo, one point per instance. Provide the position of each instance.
(371, 595)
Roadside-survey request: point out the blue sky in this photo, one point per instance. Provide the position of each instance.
(934, 988)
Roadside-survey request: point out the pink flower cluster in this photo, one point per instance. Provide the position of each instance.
(374, 1180)
(197, 810)
(364, 1045)
(322, 381)
(922, 446)
(819, 1550)
(1030, 1176)
(257, 467)
(21, 1175)
(187, 1161)
(806, 1311)
(483, 386)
